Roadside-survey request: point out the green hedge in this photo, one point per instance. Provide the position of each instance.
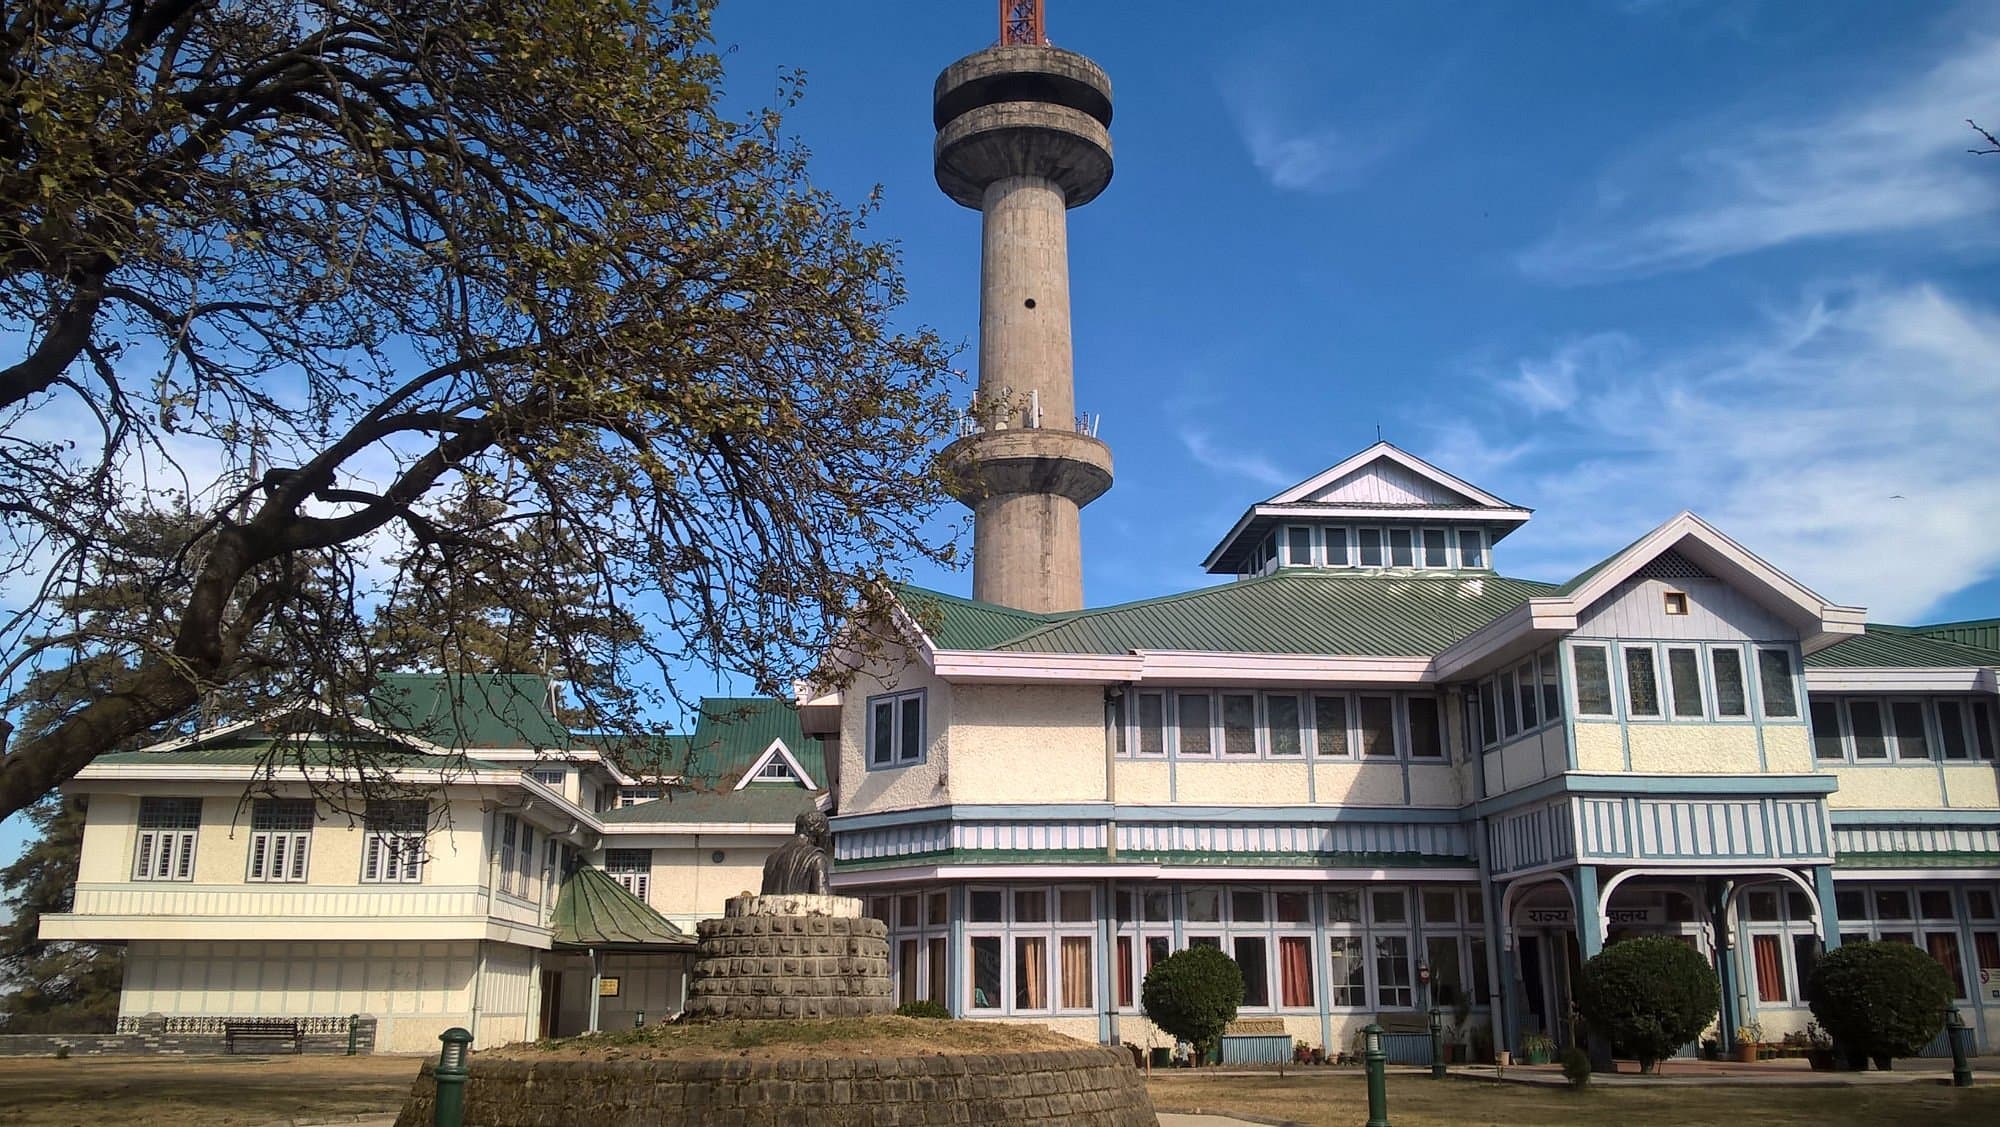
(1648, 997)
(1879, 1000)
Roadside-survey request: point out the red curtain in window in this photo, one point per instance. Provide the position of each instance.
(1770, 968)
(1295, 976)
(1943, 946)
(1124, 970)
(1986, 945)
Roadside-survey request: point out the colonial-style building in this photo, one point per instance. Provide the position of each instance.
(499, 874)
(1374, 758)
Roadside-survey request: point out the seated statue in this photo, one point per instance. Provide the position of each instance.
(800, 865)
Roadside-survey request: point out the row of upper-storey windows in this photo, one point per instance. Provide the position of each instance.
(1205, 724)
(1431, 547)
(1906, 729)
(281, 831)
(1517, 701)
(1701, 681)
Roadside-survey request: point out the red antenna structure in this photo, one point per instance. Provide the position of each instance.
(1021, 22)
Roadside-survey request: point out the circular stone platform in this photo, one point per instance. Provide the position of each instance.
(788, 966)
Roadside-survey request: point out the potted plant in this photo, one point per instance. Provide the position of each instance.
(1537, 1048)
(1481, 1044)
(1711, 1049)
(1746, 1042)
(1819, 1048)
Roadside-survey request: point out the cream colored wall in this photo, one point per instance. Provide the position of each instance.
(1787, 749)
(1435, 784)
(1886, 788)
(688, 886)
(1144, 783)
(414, 990)
(1600, 749)
(1246, 783)
(108, 826)
(1694, 749)
(1027, 743)
(506, 995)
(1521, 763)
(1361, 784)
(1976, 788)
(898, 788)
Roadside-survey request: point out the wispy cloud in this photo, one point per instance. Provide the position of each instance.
(1235, 463)
(1890, 159)
(1848, 440)
(1301, 133)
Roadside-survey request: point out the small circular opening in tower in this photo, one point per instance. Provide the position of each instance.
(1030, 303)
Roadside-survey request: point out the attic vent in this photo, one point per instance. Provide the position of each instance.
(1671, 565)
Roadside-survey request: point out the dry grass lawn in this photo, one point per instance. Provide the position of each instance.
(1418, 1101)
(198, 1091)
(885, 1036)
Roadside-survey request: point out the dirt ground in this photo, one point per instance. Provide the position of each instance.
(198, 1091)
(885, 1036)
(1418, 1101)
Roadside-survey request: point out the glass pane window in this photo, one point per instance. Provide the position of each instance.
(986, 972)
(1943, 946)
(1252, 959)
(1440, 906)
(1282, 713)
(1510, 719)
(1246, 906)
(1434, 549)
(1530, 696)
(1827, 743)
(1426, 740)
(1299, 546)
(1078, 979)
(1593, 681)
(1684, 674)
(1727, 666)
(1392, 973)
(1158, 904)
(1194, 728)
(1935, 904)
(1152, 724)
(1471, 548)
(1489, 713)
(1385, 906)
(280, 839)
(1762, 906)
(1911, 740)
(1851, 904)
(912, 748)
(1642, 686)
(1552, 708)
(1075, 905)
(1979, 903)
(1447, 981)
(1378, 725)
(1330, 725)
(1031, 906)
(1204, 905)
(1370, 543)
(1347, 973)
(1770, 968)
(1343, 906)
(1982, 728)
(1336, 547)
(1031, 972)
(882, 737)
(1401, 553)
(1774, 677)
(1951, 729)
(1864, 721)
(1239, 724)
(1295, 973)
(1890, 904)
(988, 906)
(1293, 907)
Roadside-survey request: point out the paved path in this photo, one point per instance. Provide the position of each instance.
(1174, 1119)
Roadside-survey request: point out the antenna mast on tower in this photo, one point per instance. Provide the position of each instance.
(1021, 22)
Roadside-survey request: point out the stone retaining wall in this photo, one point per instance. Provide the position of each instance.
(1090, 1086)
(792, 967)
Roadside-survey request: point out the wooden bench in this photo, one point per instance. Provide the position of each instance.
(270, 1029)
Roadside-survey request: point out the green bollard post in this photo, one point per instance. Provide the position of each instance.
(1437, 1043)
(1378, 1083)
(451, 1073)
(1956, 1032)
(353, 1031)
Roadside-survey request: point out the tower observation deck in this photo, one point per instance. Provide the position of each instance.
(1022, 136)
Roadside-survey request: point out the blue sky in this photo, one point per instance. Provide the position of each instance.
(1606, 260)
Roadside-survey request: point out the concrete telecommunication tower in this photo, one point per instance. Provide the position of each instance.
(1022, 136)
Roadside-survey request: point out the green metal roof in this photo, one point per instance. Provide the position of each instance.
(758, 802)
(1899, 647)
(239, 752)
(593, 910)
(1979, 633)
(733, 732)
(461, 710)
(1294, 611)
(644, 755)
(967, 624)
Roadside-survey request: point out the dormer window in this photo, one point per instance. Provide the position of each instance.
(1471, 548)
(1299, 546)
(1371, 546)
(1402, 552)
(1434, 549)
(1336, 548)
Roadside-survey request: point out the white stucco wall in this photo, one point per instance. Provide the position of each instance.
(1600, 749)
(862, 791)
(1893, 787)
(1027, 743)
(1147, 782)
(1976, 788)
(1787, 749)
(1248, 783)
(688, 884)
(1694, 749)
(1362, 784)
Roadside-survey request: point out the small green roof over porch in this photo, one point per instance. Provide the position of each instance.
(594, 911)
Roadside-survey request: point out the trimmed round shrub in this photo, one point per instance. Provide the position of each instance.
(1576, 1067)
(1648, 997)
(923, 1007)
(1193, 995)
(1879, 1001)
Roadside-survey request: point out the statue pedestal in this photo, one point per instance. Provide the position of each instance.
(791, 955)
(793, 904)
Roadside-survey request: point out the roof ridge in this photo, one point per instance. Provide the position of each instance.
(996, 608)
